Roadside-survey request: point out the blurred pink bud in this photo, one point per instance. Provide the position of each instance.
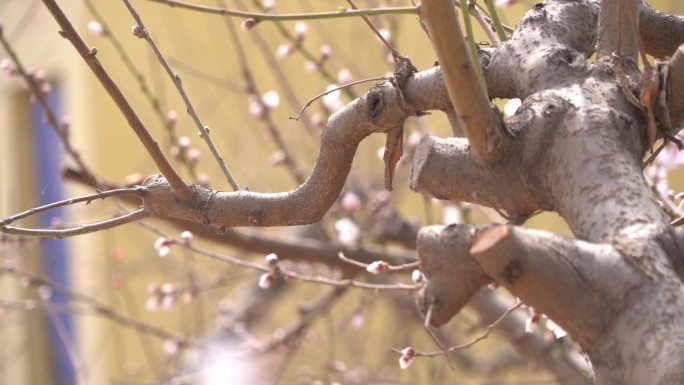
(256, 110)
(377, 267)
(45, 88)
(138, 32)
(152, 303)
(417, 277)
(194, 155)
(530, 325)
(277, 158)
(505, 3)
(358, 320)
(96, 29)
(248, 24)
(171, 347)
(45, 292)
(117, 281)
(326, 52)
(116, 253)
(348, 232)
(7, 66)
(301, 30)
(183, 142)
(162, 245)
(266, 280)
(407, 357)
(186, 236)
(284, 50)
(272, 259)
(269, 5)
(351, 202)
(345, 76)
(171, 118)
(271, 99)
(311, 66)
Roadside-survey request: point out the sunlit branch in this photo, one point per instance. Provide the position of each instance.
(144, 33)
(180, 188)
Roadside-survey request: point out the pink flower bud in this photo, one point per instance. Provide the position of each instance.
(351, 202)
(248, 24)
(186, 236)
(138, 32)
(162, 245)
(407, 357)
(417, 277)
(272, 259)
(96, 29)
(377, 267)
(266, 280)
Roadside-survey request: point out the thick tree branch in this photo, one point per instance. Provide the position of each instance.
(462, 80)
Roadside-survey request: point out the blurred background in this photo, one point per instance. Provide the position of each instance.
(106, 308)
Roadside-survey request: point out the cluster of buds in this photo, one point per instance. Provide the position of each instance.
(165, 296)
(163, 244)
(266, 279)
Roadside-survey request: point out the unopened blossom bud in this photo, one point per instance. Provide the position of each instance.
(345, 76)
(194, 155)
(266, 280)
(162, 245)
(284, 50)
(351, 202)
(377, 267)
(326, 52)
(406, 358)
(277, 158)
(248, 24)
(417, 277)
(138, 32)
(7, 66)
(271, 99)
(96, 29)
(301, 30)
(171, 118)
(272, 259)
(186, 236)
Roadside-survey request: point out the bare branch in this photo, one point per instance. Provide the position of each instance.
(461, 78)
(180, 188)
(204, 130)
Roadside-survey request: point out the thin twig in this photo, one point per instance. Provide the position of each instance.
(333, 90)
(288, 158)
(405, 266)
(204, 130)
(483, 336)
(80, 229)
(297, 17)
(135, 191)
(180, 188)
(495, 20)
(389, 46)
(94, 305)
(475, 12)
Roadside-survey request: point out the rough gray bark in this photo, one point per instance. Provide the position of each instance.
(575, 147)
